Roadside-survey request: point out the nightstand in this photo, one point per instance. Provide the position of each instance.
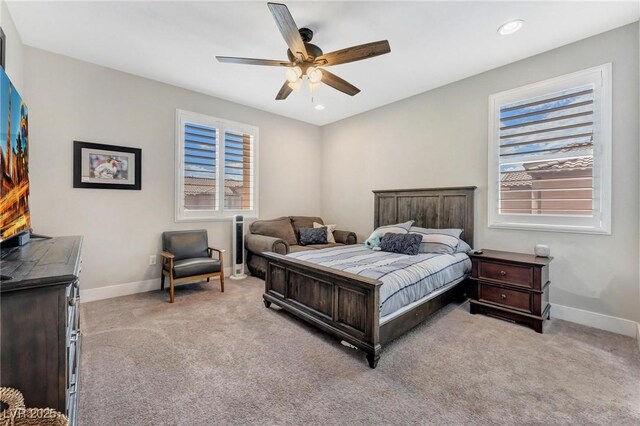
(512, 286)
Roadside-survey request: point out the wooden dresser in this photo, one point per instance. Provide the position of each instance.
(513, 286)
(40, 341)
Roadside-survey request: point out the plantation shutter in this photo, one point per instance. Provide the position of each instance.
(546, 154)
(216, 168)
(200, 167)
(238, 171)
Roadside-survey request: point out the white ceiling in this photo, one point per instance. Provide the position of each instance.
(432, 43)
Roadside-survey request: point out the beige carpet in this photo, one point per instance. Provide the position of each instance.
(223, 358)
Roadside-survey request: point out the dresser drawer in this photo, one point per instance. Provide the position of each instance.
(511, 274)
(513, 299)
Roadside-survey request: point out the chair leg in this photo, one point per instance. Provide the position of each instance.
(162, 281)
(171, 288)
(221, 274)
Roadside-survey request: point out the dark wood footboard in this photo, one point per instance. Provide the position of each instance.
(342, 304)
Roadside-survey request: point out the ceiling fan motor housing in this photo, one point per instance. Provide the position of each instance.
(306, 34)
(312, 50)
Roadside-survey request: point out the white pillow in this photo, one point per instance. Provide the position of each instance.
(330, 229)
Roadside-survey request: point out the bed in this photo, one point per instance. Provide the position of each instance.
(348, 305)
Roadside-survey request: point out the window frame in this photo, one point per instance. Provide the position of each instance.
(600, 222)
(220, 124)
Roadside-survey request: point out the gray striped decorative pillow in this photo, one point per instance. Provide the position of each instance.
(398, 228)
(447, 231)
(437, 242)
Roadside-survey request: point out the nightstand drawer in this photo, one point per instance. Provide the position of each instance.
(512, 274)
(504, 297)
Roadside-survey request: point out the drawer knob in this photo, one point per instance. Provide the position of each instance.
(503, 273)
(503, 296)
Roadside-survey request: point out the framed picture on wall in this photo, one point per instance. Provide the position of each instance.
(103, 166)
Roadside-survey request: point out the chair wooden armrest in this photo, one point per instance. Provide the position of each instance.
(211, 250)
(167, 255)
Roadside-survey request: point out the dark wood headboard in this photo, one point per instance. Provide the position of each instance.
(429, 208)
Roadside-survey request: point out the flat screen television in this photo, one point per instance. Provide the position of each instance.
(14, 165)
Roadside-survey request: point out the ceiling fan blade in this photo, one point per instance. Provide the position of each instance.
(253, 61)
(339, 84)
(355, 53)
(288, 28)
(285, 91)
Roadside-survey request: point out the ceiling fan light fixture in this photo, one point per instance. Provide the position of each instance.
(296, 85)
(313, 86)
(510, 27)
(293, 74)
(314, 74)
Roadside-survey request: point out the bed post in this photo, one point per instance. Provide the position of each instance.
(373, 324)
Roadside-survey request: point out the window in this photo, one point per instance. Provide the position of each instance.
(216, 173)
(550, 154)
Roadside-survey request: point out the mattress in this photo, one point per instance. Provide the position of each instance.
(405, 279)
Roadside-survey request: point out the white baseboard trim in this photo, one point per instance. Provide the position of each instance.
(117, 290)
(595, 320)
(93, 294)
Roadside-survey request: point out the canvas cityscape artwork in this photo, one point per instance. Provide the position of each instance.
(14, 161)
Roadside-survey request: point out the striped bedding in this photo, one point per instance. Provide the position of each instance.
(405, 279)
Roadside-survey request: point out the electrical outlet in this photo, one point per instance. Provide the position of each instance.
(152, 259)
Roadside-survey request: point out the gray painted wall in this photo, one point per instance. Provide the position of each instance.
(74, 100)
(439, 138)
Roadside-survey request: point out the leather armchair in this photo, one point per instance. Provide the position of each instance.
(186, 256)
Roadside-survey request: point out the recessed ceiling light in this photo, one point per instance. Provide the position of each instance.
(319, 107)
(510, 27)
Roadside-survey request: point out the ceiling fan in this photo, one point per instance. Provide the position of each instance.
(308, 59)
